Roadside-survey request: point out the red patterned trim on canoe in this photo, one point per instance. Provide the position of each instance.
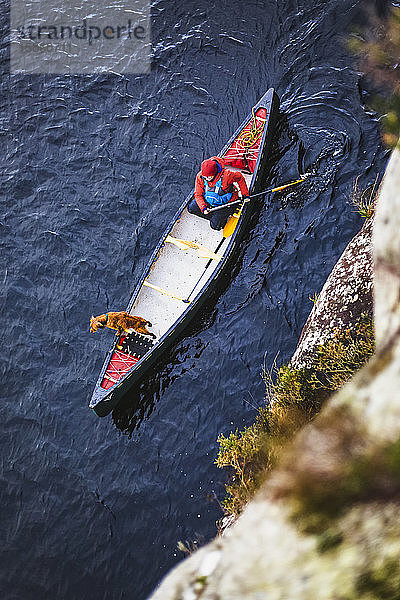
(119, 365)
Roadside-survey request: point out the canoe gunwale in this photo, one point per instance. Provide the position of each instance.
(103, 401)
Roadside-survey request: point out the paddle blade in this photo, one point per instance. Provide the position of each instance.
(230, 225)
(282, 187)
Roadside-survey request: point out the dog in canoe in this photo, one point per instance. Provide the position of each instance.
(122, 322)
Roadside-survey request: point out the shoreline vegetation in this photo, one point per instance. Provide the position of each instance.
(294, 396)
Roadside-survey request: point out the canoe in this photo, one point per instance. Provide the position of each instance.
(186, 265)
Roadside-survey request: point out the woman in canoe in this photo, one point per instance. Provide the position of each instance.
(215, 186)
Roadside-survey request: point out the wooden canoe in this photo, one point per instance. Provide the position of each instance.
(186, 265)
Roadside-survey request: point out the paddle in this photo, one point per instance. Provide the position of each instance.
(224, 236)
(248, 198)
(233, 220)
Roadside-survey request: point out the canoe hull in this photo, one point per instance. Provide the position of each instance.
(105, 400)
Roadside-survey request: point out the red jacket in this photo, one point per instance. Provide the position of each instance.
(232, 181)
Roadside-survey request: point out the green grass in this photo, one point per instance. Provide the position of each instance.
(335, 362)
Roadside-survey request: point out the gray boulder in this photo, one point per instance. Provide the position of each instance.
(346, 294)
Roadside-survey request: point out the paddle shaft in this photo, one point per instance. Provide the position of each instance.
(187, 301)
(225, 234)
(281, 187)
(277, 189)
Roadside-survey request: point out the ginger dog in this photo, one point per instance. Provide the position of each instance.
(121, 321)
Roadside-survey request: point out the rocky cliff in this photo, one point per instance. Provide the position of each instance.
(325, 524)
(346, 295)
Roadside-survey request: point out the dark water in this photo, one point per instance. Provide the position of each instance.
(92, 169)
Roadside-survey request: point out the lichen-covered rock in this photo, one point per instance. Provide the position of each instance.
(268, 559)
(387, 255)
(346, 294)
(325, 525)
